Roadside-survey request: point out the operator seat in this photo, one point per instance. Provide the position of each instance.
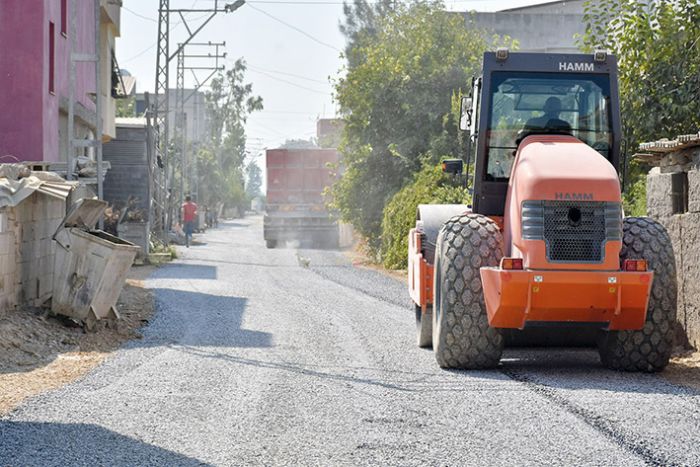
(549, 123)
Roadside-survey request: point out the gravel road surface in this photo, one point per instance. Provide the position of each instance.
(253, 359)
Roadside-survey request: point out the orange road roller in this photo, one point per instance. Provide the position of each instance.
(545, 242)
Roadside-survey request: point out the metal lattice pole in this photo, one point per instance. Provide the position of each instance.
(180, 116)
(161, 117)
(181, 100)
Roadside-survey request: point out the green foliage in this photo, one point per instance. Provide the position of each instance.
(254, 180)
(126, 107)
(403, 72)
(299, 144)
(635, 199)
(657, 43)
(362, 24)
(221, 162)
(429, 186)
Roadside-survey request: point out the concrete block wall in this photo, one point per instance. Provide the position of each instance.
(30, 255)
(682, 220)
(9, 292)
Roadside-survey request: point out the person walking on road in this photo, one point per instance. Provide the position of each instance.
(189, 214)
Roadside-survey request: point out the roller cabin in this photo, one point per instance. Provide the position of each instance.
(545, 242)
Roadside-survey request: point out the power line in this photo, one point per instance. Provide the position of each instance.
(152, 46)
(291, 26)
(290, 82)
(139, 15)
(253, 67)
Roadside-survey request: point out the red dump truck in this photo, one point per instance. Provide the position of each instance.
(295, 211)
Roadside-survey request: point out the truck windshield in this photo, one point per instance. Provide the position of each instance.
(525, 103)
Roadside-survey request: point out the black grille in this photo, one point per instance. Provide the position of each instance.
(575, 231)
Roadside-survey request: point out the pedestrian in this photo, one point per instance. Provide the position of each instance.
(189, 214)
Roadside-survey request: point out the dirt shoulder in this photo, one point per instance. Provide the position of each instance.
(39, 352)
(360, 259)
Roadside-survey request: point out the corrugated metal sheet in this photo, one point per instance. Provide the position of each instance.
(129, 176)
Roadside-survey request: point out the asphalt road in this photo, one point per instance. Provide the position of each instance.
(254, 359)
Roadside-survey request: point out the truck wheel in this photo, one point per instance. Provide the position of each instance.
(424, 327)
(462, 337)
(271, 243)
(648, 349)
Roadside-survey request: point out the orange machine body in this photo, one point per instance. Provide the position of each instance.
(562, 168)
(551, 168)
(420, 273)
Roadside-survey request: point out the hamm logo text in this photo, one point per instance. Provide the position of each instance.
(570, 66)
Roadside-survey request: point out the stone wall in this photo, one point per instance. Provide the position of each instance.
(673, 198)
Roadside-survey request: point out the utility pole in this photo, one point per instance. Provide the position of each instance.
(181, 100)
(164, 57)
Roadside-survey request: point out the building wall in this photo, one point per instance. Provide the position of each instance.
(329, 132)
(197, 121)
(22, 81)
(682, 220)
(34, 130)
(85, 76)
(552, 8)
(535, 32)
(549, 27)
(110, 21)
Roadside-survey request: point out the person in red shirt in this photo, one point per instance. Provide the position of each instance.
(189, 214)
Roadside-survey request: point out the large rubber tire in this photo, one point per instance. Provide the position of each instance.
(648, 349)
(424, 327)
(462, 337)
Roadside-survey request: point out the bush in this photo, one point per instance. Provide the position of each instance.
(634, 200)
(429, 186)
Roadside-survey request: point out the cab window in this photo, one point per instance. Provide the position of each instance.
(523, 103)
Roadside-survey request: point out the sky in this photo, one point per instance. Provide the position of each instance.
(292, 49)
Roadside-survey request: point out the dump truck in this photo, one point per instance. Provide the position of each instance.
(544, 243)
(295, 210)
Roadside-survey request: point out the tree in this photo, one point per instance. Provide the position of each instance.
(656, 43)
(396, 99)
(126, 107)
(254, 180)
(220, 162)
(362, 24)
(299, 144)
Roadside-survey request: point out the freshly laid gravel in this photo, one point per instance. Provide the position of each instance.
(255, 358)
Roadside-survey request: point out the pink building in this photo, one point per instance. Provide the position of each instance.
(34, 75)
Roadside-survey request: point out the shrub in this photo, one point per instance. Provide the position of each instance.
(429, 186)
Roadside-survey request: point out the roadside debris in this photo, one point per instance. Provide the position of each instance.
(303, 261)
